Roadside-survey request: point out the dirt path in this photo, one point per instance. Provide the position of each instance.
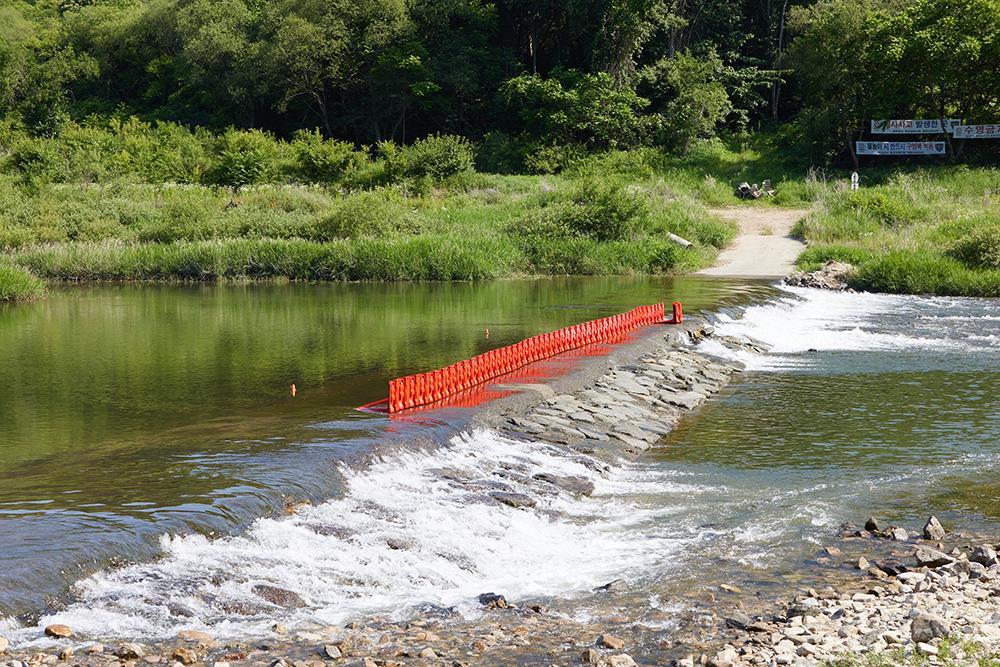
(763, 248)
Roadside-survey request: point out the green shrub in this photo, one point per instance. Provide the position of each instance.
(436, 157)
(245, 158)
(612, 213)
(598, 210)
(17, 284)
(37, 161)
(554, 158)
(981, 248)
(367, 214)
(319, 160)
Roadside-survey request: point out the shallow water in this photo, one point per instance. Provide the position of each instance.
(130, 412)
(867, 404)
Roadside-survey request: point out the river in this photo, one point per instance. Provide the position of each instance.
(144, 431)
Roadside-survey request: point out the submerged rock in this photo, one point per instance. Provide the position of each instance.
(513, 499)
(279, 596)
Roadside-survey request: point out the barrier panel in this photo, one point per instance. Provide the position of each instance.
(413, 391)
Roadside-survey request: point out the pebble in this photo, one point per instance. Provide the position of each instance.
(611, 642)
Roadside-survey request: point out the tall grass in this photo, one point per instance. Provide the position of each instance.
(17, 284)
(925, 231)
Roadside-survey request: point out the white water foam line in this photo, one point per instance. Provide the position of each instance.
(823, 320)
(451, 545)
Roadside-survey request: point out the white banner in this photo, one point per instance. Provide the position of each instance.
(903, 126)
(900, 148)
(977, 132)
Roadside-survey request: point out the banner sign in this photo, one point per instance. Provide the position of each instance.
(934, 126)
(900, 148)
(977, 132)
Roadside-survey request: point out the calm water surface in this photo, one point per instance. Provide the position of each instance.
(128, 412)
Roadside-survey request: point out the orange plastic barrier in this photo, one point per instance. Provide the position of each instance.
(414, 391)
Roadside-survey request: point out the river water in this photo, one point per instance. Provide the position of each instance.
(142, 422)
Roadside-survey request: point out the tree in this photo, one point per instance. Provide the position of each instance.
(688, 92)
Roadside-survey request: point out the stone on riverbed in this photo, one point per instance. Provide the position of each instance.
(3, 645)
(575, 485)
(611, 642)
(933, 530)
(58, 630)
(932, 558)
(985, 555)
(279, 596)
(926, 627)
(513, 499)
(493, 601)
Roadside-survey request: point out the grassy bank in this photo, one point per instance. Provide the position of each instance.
(17, 284)
(137, 202)
(927, 231)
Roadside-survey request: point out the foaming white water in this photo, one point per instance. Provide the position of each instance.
(806, 319)
(415, 527)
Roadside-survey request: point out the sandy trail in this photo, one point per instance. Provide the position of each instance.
(763, 248)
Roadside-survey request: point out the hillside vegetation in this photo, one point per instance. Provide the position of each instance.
(447, 139)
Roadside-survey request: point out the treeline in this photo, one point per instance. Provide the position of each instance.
(530, 81)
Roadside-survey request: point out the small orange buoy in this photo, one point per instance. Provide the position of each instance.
(294, 390)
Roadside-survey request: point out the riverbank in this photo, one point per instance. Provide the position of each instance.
(928, 232)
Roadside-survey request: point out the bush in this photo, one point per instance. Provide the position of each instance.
(245, 158)
(436, 157)
(319, 160)
(596, 210)
(554, 158)
(367, 214)
(981, 248)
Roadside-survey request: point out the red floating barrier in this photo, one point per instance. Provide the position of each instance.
(420, 389)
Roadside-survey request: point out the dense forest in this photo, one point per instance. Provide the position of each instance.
(529, 81)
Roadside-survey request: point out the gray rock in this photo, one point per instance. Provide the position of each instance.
(332, 652)
(899, 534)
(738, 620)
(933, 530)
(984, 555)
(279, 596)
(926, 627)
(572, 484)
(931, 557)
(513, 499)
